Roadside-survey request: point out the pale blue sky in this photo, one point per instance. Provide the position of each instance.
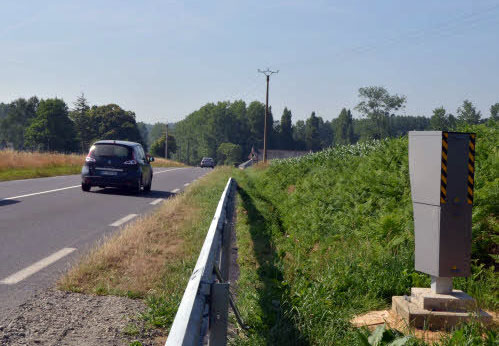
(165, 59)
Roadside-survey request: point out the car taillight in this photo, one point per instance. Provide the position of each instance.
(89, 158)
(132, 161)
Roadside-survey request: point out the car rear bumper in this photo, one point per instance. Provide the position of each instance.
(109, 181)
(100, 178)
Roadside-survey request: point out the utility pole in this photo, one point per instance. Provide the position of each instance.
(166, 142)
(267, 74)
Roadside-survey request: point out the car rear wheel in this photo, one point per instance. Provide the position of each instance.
(85, 187)
(138, 188)
(147, 187)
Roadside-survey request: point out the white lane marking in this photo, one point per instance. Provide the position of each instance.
(123, 220)
(168, 170)
(186, 184)
(35, 267)
(41, 193)
(175, 191)
(156, 201)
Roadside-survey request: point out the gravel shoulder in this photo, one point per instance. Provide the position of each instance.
(53, 317)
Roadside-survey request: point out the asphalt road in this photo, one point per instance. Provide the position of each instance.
(47, 223)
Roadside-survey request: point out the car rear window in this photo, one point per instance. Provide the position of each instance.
(110, 150)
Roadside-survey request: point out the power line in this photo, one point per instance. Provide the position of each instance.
(445, 28)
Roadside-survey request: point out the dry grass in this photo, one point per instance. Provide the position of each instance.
(133, 260)
(24, 165)
(260, 165)
(161, 162)
(10, 159)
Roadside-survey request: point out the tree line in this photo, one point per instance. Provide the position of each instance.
(226, 131)
(49, 125)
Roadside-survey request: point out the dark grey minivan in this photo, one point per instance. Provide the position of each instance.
(112, 163)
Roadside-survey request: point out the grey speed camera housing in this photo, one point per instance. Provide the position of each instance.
(441, 167)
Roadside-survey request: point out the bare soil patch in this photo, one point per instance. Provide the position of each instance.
(53, 317)
(373, 319)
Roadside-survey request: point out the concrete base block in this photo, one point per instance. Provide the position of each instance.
(456, 301)
(418, 317)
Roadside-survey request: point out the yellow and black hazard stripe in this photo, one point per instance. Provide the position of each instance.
(443, 181)
(471, 167)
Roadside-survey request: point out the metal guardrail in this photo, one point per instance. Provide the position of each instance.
(204, 306)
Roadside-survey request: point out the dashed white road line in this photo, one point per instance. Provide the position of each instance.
(187, 184)
(123, 220)
(36, 267)
(41, 193)
(168, 170)
(156, 201)
(175, 191)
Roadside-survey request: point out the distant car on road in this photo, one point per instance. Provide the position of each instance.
(207, 162)
(112, 163)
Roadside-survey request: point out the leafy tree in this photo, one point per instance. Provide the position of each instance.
(344, 128)
(202, 131)
(82, 123)
(397, 126)
(326, 133)
(256, 118)
(468, 114)
(312, 139)
(4, 109)
(285, 130)
(20, 113)
(240, 133)
(229, 153)
(377, 105)
(400, 125)
(494, 111)
(299, 135)
(113, 122)
(452, 122)
(440, 120)
(158, 147)
(157, 131)
(52, 129)
(144, 134)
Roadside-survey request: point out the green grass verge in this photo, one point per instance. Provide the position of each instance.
(330, 235)
(27, 173)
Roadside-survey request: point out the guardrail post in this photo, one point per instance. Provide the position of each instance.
(219, 312)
